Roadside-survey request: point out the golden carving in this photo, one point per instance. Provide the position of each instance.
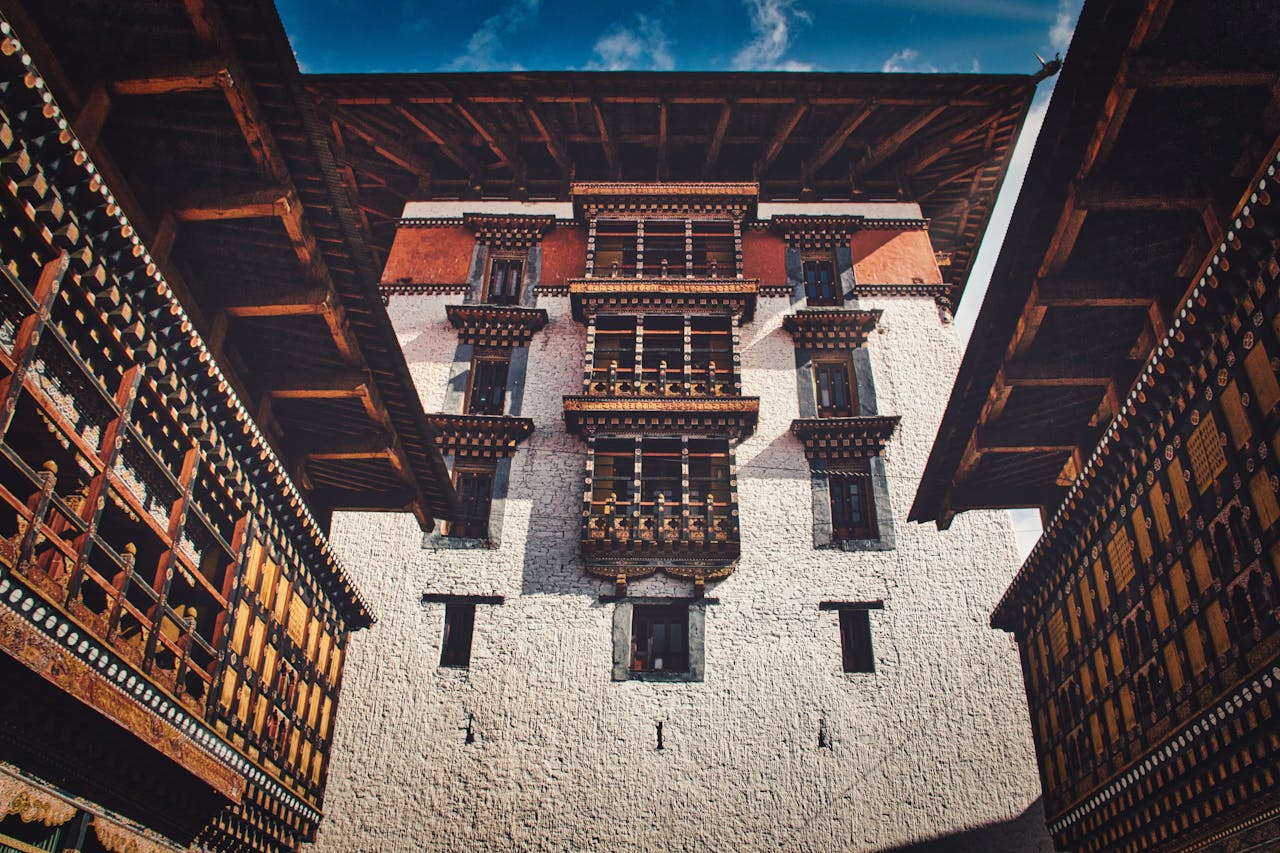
(660, 405)
(32, 804)
(664, 191)
(673, 286)
(121, 839)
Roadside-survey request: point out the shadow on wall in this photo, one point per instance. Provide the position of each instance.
(1025, 833)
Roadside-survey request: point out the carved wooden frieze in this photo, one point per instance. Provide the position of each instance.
(732, 297)
(495, 326)
(830, 329)
(734, 417)
(693, 200)
(508, 230)
(480, 436)
(844, 438)
(816, 232)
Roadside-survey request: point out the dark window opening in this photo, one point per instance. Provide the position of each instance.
(488, 387)
(504, 281)
(855, 640)
(475, 493)
(616, 244)
(821, 285)
(834, 390)
(459, 622)
(852, 510)
(660, 638)
(664, 248)
(713, 250)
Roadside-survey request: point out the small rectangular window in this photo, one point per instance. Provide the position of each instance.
(459, 622)
(488, 386)
(855, 640)
(852, 510)
(660, 638)
(475, 493)
(504, 281)
(834, 391)
(821, 284)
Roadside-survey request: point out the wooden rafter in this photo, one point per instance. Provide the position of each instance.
(717, 139)
(833, 143)
(555, 145)
(448, 144)
(193, 76)
(495, 139)
(606, 139)
(891, 144)
(774, 148)
(221, 204)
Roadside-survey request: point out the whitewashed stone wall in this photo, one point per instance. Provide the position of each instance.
(934, 748)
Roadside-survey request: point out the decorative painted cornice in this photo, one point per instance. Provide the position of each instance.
(836, 439)
(508, 230)
(837, 329)
(732, 416)
(816, 232)
(632, 568)
(429, 222)
(640, 199)
(935, 290)
(733, 296)
(777, 290)
(487, 436)
(495, 326)
(412, 288)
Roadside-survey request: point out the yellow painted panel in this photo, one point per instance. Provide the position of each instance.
(300, 703)
(324, 718)
(1086, 598)
(322, 658)
(1264, 500)
(297, 620)
(1120, 555)
(1160, 513)
(243, 618)
(260, 715)
(255, 643)
(282, 600)
(335, 664)
(245, 695)
(1263, 379)
(1141, 534)
(228, 695)
(1086, 683)
(1126, 706)
(1100, 665)
(269, 664)
(315, 707)
(1200, 566)
(1117, 661)
(1204, 449)
(1217, 627)
(1074, 619)
(253, 568)
(293, 746)
(1173, 666)
(1181, 498)
(1104, 597)
(1195, 647)
(1095, 730)
(1178, 579)
(1113, 724)
(1160, 607)
(1237, 419)
(1058, 635)
(267, 591)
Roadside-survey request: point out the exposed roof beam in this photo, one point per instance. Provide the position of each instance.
(92, 115)
(1004, 496)
(610, 148)
(774, 148)
(555, 145)
(1152, 72)
(662, 141)
(191, 76)
(833, 143)
(888, 146)
(1055, 374)
(220, 204)
(289, 303)
(448, 145)
(1112, 195)
(503, 149)
(998, 439)
(376, 445)
(365, 500)
(717, 139)
(313, 385)
(1060, 292)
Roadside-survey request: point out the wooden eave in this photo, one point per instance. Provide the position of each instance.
(843, 439)
(701, 199)
(730, 296)
(733, 417)
(483, 436)
(495, 327)
(816, 232)
(233, 187)
(942, 140)
(839, 329)
(508, 230)
(1130, 189)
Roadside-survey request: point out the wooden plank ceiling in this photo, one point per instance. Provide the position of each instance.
(941, 140)
(195, 113)
(1161, 114)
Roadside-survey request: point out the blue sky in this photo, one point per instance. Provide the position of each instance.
(994, 36)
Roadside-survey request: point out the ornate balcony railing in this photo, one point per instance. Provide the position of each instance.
(615, 381)
(614, 525)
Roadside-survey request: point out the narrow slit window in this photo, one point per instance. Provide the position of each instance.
(834, 390)
(475, 494)
(459, 623)
(488, 387)
(855, 640)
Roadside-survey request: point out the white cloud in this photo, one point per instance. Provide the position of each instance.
(641, 47)
(484, 48)
(1064, 24)
(908, 60)
(772, 26)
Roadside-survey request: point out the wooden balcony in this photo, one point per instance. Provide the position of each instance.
(658, 528)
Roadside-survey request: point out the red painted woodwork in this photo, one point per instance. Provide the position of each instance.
(894, 257)
(435, 255)
(564, 254)
(764, 256)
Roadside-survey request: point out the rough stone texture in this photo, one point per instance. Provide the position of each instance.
(931, 752)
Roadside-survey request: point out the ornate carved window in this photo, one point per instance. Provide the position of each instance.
(853, 513)
(504, 280)
(662, 355)
(712, 244)
(832, 387)
(821, 284)
(659, 638)
(615, 248)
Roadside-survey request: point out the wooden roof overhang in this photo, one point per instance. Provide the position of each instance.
(481, 436)
(197, 117)
(844, 439)
(730, 417)
(1161, 112)
(831, 329)
(724, 296)
(495, 327)
(942, 140)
